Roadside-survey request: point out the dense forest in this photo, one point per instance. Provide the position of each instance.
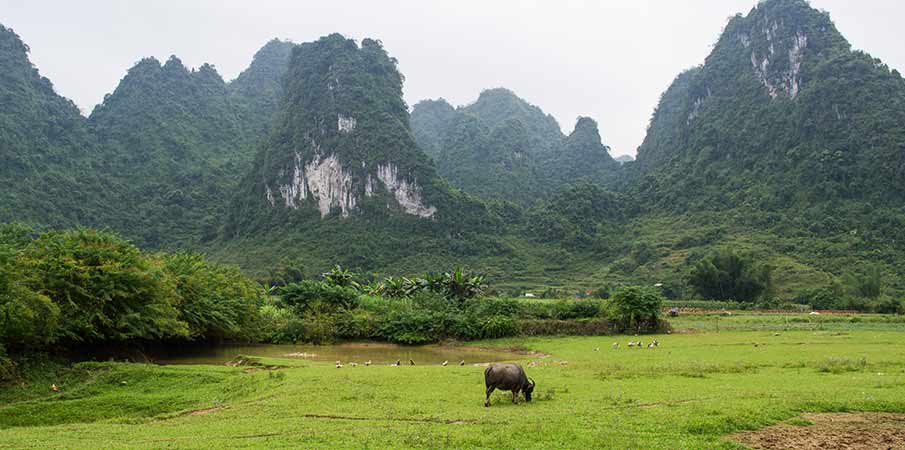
(770, 173)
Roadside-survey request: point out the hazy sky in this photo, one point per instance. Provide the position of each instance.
(610, 60)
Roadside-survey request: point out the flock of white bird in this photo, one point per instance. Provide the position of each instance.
(639, 344)
(340, 365)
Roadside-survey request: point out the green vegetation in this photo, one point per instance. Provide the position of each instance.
(436, 307)
(727, 275)
(792, 170)
(157, 161)
(501, 147)
(87, 287)
(690, 392)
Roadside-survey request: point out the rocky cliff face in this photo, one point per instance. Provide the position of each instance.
(342, 139)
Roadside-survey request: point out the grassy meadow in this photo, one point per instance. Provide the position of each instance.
(714, 375)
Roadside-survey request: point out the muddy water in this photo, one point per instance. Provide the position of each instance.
(377, 353)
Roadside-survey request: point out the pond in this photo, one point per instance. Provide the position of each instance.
(376, 352)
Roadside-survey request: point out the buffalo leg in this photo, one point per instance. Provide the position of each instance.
(515, 396)
(489, 391)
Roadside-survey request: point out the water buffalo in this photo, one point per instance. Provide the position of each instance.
(507, 377)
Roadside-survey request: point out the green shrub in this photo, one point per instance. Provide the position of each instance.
(319, 328)
(576, 309)
(337, 276)
(293, 331)
(412, 326)
(498, 326)
(353, 325)
(724, 274)
(27, 318)
(579, 327)
(460, 285)
(841, 365)
(216, 301)
(106, 290)
(465, 328)
(635, 308)
(821, 298)
(889, 305)
(273, 322)
(317, 296)
(493, 306)
(7, 367)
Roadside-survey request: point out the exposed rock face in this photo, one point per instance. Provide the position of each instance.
(332, 188)
(345, 124)
(407, 194)
(780, 82)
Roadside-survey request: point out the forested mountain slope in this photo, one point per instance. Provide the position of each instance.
(505, 148)
(50, 164)
(782, 114)
(340, 172)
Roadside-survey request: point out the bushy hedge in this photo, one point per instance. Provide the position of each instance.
(424, 315)
(87, 286)
(580, 327)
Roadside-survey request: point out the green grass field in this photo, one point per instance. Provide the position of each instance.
(696, 388)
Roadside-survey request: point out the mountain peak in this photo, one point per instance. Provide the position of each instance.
(343, 138)
(174, 64)
(586, 125)
(783, 111)
(10, 42)
(429, 120)
(774, 40)
(495, 106)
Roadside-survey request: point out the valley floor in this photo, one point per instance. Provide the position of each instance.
(693, 391)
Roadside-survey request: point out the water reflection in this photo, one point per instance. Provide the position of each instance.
(376, 352)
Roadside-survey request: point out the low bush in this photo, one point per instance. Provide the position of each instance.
(579, 327)
(293, 331)
(577, 309)
(842, 365)
(889, 305)
(7, 367)
(317, 296)
(637, 309)
(353, 325)
(412, 326)
(498, 326)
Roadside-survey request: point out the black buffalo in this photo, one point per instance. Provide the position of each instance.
(507, 377)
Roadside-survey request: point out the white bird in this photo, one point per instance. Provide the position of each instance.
(368, 362)
(338, 364)
(631, 344)
(397, 363)
(462, 362)
(651, 345)
(353, 364)
(444, 363)
(615, 345)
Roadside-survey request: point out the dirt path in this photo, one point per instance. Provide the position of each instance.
(832, 431)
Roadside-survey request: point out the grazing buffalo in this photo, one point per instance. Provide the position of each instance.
(507, 377)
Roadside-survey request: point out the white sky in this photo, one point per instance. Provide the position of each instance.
(610, 60)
